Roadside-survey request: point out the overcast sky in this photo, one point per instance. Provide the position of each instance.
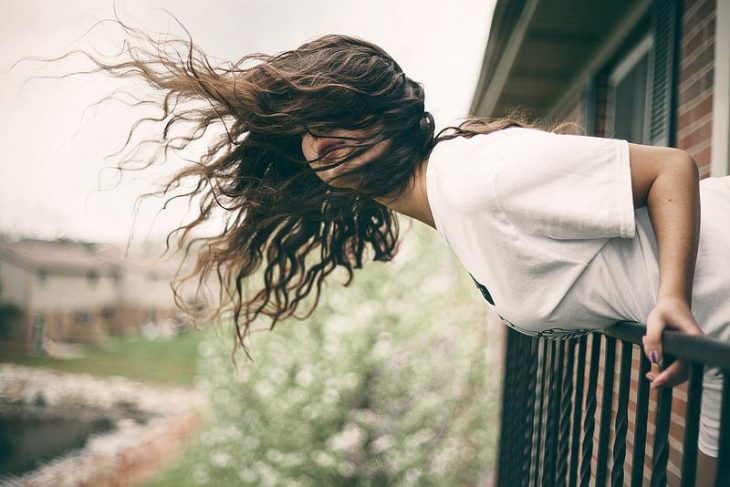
(52, 157)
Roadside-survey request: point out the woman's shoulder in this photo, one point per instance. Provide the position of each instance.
(459, 172)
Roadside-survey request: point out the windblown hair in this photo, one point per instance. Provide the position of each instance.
(278, 213)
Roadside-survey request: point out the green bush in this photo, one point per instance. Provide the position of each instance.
(388, 383)
(11, 317)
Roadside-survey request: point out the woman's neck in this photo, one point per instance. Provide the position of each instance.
(413, 202)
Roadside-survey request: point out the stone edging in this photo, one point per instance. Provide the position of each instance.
(129, 454)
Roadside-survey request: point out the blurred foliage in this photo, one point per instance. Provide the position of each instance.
(170, 362)
(387, 383)
(11, 318)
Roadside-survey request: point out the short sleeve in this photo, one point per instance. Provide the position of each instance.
(565, 186)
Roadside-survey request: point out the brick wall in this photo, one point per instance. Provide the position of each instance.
(694, 122)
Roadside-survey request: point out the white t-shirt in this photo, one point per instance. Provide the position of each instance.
(546, 222)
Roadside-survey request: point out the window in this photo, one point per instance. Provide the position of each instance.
(42, 277)
(629, 95)
(93, 278)
(107, 313)
(83, 318)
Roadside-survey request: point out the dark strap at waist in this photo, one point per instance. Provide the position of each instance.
(483, 290)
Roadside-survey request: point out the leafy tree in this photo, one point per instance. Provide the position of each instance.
(387, 383)
(11, 317)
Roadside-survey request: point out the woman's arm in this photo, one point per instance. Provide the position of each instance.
(667, 180)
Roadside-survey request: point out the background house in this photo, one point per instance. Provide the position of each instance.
(648, 71)
(81, 292)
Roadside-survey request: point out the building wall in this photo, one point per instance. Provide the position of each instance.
(72, 292)
(146, 289)
(15, 284)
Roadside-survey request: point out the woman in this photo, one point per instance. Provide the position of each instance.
(324, 144)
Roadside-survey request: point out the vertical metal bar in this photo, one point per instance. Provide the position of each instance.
(505, 437)
(660, 454)
(566, 409)
(606, 402)
(529, 419)
(537, 415)
(692, 425)
(589, 424)
(578, 412)
(553, 413)
(642, 414)
(511, 420)
(622, 418)
(520, 410)
(723, 458)
(513, 424)
(539, 463)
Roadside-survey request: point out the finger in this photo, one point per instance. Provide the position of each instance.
(653, 340)
(654, 368)
(673, 375)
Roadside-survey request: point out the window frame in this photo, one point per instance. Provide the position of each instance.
(645, 46)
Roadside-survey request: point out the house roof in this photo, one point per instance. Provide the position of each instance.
(59, 257)
(69, 257)
(148, 262)
(537, 49)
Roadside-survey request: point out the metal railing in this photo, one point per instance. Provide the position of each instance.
(549, 431)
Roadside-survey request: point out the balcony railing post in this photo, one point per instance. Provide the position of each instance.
(723, 459)
(692, 425)
(606, 402)
(529, 420)
(506, 440)
(642, 414)
(589, 424)
(578, 412)
(566, 409)
(621, 426)
(660, 453)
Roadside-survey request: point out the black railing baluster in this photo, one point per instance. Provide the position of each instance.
(537, 445)
(553, 414)
(723, 458)
(577, 412)
(622, 418)
(514, 404)
(660, 453)
(589, 424)
(506, 441)
(606, 402)
(566, 409)
(692, 425)
(520, 411)
(642, 414)
(529, 419)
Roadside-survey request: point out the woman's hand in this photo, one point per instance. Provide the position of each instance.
(672, 313)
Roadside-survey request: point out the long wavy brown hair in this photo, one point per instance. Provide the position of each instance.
(279, 216)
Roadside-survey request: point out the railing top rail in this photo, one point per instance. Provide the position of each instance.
(701, 349)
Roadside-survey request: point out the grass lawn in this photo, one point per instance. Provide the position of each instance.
(177, 475)
(169, 362)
